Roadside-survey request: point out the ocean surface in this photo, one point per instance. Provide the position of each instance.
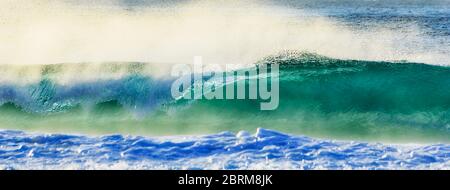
(265, 149)
(362, 85)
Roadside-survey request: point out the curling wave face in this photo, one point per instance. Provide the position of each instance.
(319, 96)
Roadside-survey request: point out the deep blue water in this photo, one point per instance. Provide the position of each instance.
(266, 149)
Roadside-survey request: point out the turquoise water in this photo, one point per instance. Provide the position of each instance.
(319, 96)
(363, 85)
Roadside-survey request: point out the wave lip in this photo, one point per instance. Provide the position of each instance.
(266, 149)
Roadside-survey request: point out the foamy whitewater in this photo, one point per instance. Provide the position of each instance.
(87, 85)
(266, 149)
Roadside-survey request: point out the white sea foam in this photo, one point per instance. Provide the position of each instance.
(265, 149)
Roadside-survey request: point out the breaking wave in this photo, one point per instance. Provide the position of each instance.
(319, 96)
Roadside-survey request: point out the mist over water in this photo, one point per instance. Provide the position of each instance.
(236, 32)
(117, 56)
(359, 71)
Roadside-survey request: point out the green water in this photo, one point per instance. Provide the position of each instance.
(319, 97)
